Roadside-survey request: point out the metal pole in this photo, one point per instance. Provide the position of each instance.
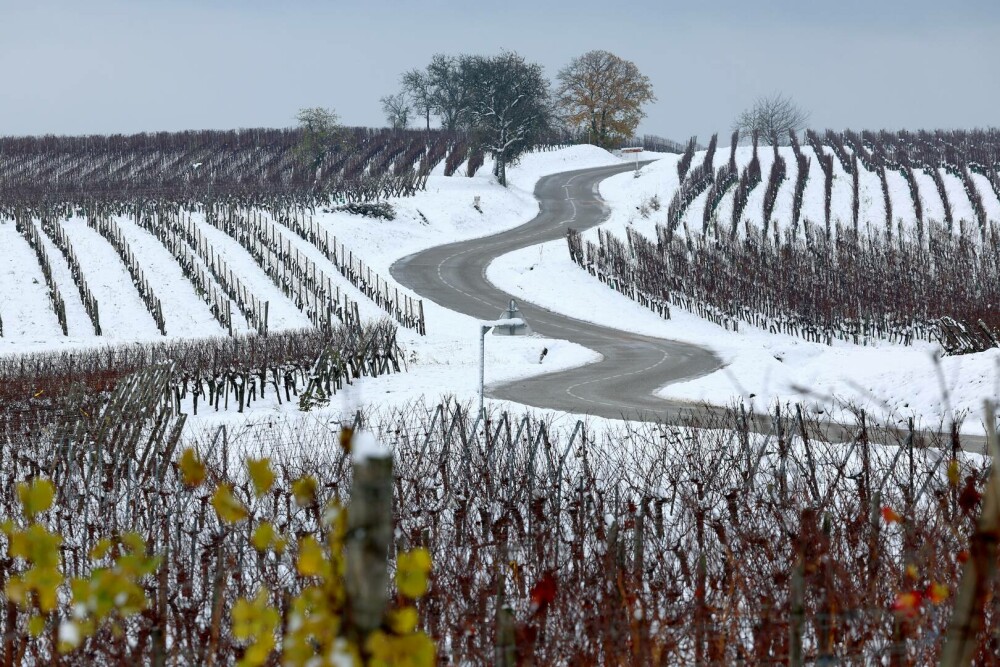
(483, 330)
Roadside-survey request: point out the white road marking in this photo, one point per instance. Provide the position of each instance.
(569, 390)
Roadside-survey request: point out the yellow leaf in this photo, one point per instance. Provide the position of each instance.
(192, 468)
(412, 568)
(346, 436)
(46, 582)
(16, 591)
(261, 475)
(227, 506)
(36, 626)
(953, 477)
(937, 593)
(262, 537)
(331, 513)
(255, 619)
(304, 490)
(134, 542)
(37, 545)
(36, 496)
(416, 650)
(403, 621)
(311, 560)
(101, 549)
(243, 613)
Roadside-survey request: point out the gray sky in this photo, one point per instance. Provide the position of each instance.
(107, 66)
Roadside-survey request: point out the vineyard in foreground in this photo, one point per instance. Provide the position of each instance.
(863, 269)
(303, 367)
(653, 544)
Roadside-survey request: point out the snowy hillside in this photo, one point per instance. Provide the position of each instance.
(660, 180)
(761, 366)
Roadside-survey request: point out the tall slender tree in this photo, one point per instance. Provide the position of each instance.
(448, 83)
(417, 85)
(603, 95)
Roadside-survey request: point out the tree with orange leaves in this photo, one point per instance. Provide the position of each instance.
(603, 95)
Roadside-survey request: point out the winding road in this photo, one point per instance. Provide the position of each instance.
(633, 367)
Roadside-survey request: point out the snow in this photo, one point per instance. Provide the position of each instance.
(760, 367)
(929, 197)
(447, 204)
(902, 200)
(69, 633)
(185, 313)
(22, 290)
(121, 311)
(511, 322)
(78, 321)
(890, 381)
(365, 446)
(282, 313)
(366, 307)
(871, 212)
(813, 208)
(446, 361)
(990, 200)
(961, 207)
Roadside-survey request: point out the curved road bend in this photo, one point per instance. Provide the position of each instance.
(633, 367)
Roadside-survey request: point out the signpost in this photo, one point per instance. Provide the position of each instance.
(636, 150)
(510, 323)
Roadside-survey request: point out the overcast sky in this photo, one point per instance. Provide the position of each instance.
(105, 66)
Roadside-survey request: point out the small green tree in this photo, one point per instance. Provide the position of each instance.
(322, 135)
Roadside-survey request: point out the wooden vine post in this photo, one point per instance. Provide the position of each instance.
(369, 533)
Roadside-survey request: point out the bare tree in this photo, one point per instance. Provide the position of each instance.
(397, 110)
(448, 82)
(769, 116)
(603, 94)
(441, 89)
(417, 85)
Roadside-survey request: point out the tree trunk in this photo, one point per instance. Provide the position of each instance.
(500, 169)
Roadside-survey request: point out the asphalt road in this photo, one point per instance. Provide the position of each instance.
(633, 367)
(622, 384)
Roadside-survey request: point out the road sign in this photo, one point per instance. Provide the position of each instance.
(518, 328)
(636, 150)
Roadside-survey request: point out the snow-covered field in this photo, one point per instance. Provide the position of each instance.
(762, 367)
(891, 381)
